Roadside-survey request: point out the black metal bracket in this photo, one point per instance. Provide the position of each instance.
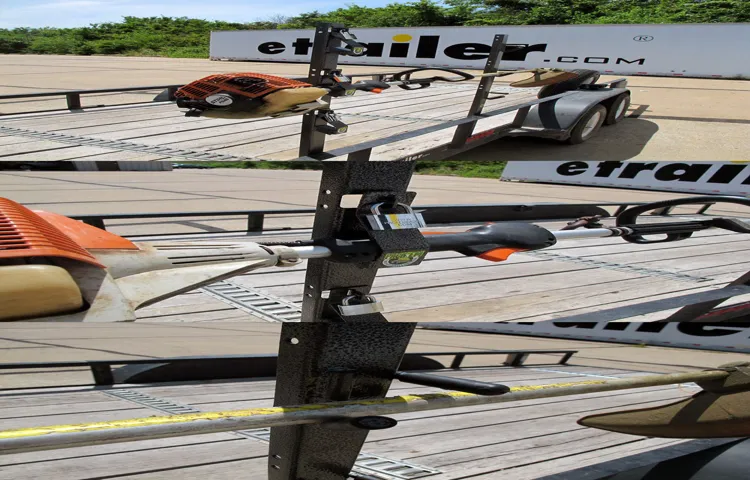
(327, 46)
(323, 362)
(343, 350)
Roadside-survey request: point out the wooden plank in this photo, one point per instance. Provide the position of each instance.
(210, 470)
(118, 448)
(604, 442)
(78, 417)
(43, 413)
(73, 121)
(33, 400)
(563, 300)
(153, 461)
(96, 113)
(12, 140)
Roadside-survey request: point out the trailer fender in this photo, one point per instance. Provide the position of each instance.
(563, 114)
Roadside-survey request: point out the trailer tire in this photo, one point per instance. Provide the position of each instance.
(588, 125)
(618, 109)
(584, 77)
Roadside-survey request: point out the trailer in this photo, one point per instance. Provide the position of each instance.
(336, 367)
(428, 124)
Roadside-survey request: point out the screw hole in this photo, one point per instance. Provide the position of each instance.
(328, 192)
(324, 206)
(276, 467)
(294, 341)
(278, 457)
(308, 295)
(311, 287)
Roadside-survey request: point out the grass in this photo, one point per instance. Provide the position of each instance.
(455, 168)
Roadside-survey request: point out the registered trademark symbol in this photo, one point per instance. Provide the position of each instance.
(643, 38)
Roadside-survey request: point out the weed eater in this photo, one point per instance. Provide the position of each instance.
(54, 268)
(256, 95)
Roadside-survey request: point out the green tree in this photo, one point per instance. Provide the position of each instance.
(189, 37)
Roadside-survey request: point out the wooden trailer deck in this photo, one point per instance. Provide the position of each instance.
(574, 276)
(163, 125)
(517, 440)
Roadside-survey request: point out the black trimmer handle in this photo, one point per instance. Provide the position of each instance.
(449, 383)
(494, 242)
(629, 217)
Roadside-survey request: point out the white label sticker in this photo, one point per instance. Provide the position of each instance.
(220, 99)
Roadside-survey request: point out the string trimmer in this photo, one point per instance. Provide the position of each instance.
(256, 95)
(54, 268)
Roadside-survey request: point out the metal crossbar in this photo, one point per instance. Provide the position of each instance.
(117, 431)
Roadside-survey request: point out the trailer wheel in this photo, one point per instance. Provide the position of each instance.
(618, 109)
(584, 77)
(588, 125)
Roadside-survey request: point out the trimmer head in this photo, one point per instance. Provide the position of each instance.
(245, 95)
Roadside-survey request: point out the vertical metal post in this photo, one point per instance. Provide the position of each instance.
(464, 131)
(255, 222)
(102, 373)
(73, 100)
(516, 359)
(705, 208)
(565, 358)
(329, 356)
(663, 211)
(324, 59)
(457, 360)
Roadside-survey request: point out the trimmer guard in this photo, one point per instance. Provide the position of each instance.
(721, 410)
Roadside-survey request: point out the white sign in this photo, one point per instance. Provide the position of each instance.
(699, 336)
(726, 178)
(697, 50)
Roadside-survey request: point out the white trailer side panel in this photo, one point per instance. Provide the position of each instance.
(696, 50)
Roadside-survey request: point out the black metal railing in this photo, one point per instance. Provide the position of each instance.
(225, 367)
(433, 214)
(73, 97)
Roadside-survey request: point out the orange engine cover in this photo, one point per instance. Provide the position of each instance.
(25, 234)
(251, 85)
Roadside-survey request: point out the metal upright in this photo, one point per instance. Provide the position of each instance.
(330, 41)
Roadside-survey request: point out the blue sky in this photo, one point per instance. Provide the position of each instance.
(78, 13)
